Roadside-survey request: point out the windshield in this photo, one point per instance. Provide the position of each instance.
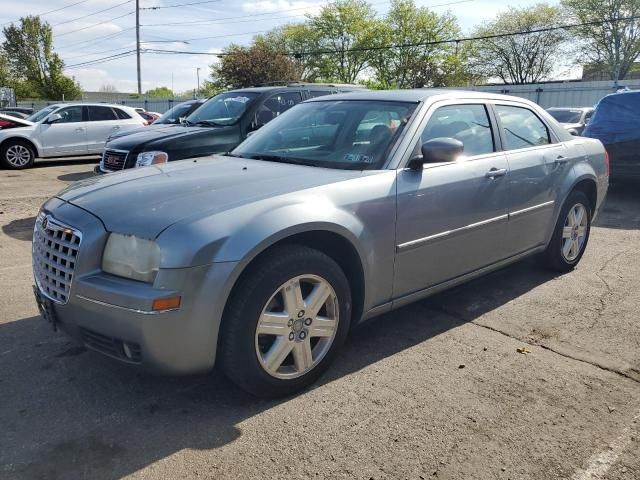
(173, 115)
(355, 135)
(42, 114)
(223, 109)
(566, 116)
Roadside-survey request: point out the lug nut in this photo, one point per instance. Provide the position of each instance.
(290, 323)
(292, 336)
(301, 314)
(307, 321)
(302, 335)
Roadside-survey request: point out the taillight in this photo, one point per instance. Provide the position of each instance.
(607, 163)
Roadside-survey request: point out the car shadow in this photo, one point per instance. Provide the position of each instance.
(60, 162)
(67, 410)
(21, 229)
(75, 177)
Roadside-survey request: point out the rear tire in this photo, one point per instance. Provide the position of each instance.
(571, 234)
(285, 322)
(17, 155)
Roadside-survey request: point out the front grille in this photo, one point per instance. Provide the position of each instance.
(114, 159)
(54, 250)
(113, 347)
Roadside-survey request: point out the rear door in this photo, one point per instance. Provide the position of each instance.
(67, 136)
(452, 217)
(536, 163)
(103, 121)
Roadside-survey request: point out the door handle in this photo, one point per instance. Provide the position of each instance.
(496, 172)
(560, 160)
(80, 129)
(116, 128)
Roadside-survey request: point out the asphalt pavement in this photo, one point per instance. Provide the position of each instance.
(522, 374)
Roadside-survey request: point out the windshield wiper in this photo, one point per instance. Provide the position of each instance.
(230, 154)
(279, 159)
(210, 123)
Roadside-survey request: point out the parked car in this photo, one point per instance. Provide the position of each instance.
(9, 121)
(218, 125)
(15, 114)
(572, 119)
(21, 110)
(149, 117)
(63, 130)
(340, 209)
(616, 123)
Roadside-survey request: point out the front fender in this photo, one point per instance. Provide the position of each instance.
(23, 136)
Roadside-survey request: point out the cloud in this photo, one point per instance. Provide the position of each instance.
(276, 6)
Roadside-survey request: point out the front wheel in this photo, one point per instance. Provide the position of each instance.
(17, 155)
(285, 321)
(571, 234)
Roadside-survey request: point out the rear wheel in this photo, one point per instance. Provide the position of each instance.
(285, 322)
(17, 155)
(571, 234)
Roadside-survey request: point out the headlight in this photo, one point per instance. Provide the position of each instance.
(151, 158)
(131, 257)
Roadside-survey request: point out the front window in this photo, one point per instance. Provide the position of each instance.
(566, 116)
(223, 109)
(349, 134)
(42, 114)
(173, 115)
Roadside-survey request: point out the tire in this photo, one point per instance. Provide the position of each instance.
(569, 239)
(17, 155)
(263, 347)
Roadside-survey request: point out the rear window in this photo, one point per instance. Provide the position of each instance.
(122, 115)
(566, 116)
(101, 114)
(320, 93)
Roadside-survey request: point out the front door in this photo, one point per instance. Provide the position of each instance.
(452, 217)
(66, 136)
(102, 123)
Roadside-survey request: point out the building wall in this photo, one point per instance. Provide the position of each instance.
(561, 94)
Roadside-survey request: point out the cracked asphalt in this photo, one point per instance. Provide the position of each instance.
(435, 390)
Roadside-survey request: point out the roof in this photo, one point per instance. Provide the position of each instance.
(569, 108)
(416, 95)
(309, 86)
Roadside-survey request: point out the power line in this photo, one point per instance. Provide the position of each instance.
(186, 40)
(97, 39)
(94, 24)
(50, 11)
(96, 53)
(180, 5)
(92, 14)
(102, 60)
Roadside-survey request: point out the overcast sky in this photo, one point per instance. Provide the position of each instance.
(80, 40)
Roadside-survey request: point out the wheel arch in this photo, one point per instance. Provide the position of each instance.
(589, 187)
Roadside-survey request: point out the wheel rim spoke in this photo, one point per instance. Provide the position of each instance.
(322, 327)
(273, 324)
(302, 355)
(277, 354)
(317, 298)
(566, 232)
(293, 301)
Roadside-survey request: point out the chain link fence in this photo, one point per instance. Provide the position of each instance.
(149, 104)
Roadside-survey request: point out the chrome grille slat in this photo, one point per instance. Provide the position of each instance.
(117, 159)
(55, 250)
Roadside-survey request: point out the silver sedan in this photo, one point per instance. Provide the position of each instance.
(342, 208)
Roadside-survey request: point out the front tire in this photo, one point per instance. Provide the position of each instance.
(285, 322)
(571, 234)
(17, 155)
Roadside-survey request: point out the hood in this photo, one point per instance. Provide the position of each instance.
(20, 121)
(147, 136)
(156, 197)
(571, 125)
(153, 126)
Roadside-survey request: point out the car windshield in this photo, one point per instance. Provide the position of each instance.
(566, 116)
(42, 114)
(173, 115)
(223, 109)
(347, 134)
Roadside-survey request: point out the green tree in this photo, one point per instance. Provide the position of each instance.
(33, 63)
(340, 36)
(159, 92)
(518, 59)
(614, 44)
(422, 61)
(262, 62)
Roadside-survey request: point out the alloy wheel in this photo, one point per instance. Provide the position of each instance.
(297, 326)
(574, 232)
(18, 155)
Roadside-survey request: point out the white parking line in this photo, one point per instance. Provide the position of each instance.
(600, 463)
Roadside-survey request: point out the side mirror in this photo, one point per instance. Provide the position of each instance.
(54, 117)
(182, 120)
(438, 150)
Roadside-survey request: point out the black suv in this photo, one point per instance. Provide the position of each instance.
(218, 125)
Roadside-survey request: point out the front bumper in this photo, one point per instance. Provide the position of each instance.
(114, 315)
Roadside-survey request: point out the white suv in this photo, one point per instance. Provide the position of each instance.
(63, 130)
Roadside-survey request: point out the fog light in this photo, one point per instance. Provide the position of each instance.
(170, 303)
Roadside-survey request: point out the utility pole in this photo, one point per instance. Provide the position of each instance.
(138, 45)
